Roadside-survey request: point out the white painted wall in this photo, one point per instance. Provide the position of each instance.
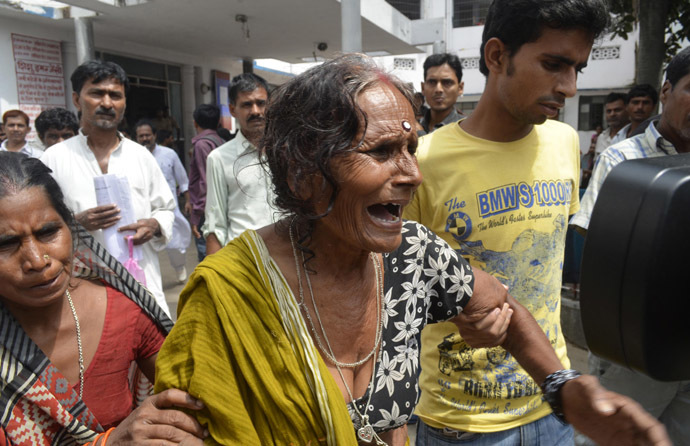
(64, 32)
(46, 30)
(8, 84)
(465, 43)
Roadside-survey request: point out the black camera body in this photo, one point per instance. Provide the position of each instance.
(635, 304)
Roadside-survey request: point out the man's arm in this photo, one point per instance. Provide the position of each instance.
(162, 204)
(216, 224)
(202, 148)
(602, 167)
(187, 204)
(180, 174)
(606, 417)
(212, 244)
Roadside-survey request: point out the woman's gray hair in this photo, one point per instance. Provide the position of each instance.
(311, 121)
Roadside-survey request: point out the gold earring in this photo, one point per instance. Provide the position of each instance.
(46, 257)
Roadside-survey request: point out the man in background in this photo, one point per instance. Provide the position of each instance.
(206, 118)
(16, 126)
(99, 94)
(239, 193)
(441, 87)
(56, 125)
(640, 103)
(616, 117)
(176, 177)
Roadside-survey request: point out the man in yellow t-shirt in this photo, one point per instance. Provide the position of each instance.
(499, 186)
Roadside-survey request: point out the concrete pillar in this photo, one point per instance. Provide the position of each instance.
(351, 26)
(439, 47)
(448, 34)
(69, 64)
(247, 65)
(83, 30)
(198, 80)
(188, 106)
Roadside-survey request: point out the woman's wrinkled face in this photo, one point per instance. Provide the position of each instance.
(376, 180)
(35, 250)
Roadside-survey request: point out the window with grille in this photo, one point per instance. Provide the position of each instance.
(470, 63)
(591, 112)
(404, 63)
(409, 8)
(469, 12)
(606, 52)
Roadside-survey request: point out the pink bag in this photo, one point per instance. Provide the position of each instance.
(132, 265)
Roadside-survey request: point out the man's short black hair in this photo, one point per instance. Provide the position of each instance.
(642, 90)
(143, 122)
(162, 135)
(245, 82)
(516, 22)
(97, 71)
(56, 118)
(679, 67)
(207, 116)
(436, 60)
(613, 97)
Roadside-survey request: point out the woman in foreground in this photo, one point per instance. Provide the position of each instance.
(72, 321)
(307, 331)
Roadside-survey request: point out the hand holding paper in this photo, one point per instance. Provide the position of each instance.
(112, 191)
(99, 217)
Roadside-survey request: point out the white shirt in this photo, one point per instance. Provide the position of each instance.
(28, 149)
(173, 170)
(74, 166)
(621, 135)
(238, 191)
(644, 145)
(175, 175)
(603, 141)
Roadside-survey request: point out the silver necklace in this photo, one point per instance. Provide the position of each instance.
(81, 352)
(365, 432)
(328, 351)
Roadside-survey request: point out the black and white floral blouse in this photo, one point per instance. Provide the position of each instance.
(425, 281)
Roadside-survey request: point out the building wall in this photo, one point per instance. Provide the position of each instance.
(8, 87)
(201, 65)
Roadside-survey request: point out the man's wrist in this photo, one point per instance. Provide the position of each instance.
(552, 386)
(156, 227)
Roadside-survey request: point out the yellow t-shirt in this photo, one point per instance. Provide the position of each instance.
(504, 207)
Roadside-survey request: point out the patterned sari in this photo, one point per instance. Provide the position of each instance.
(37, 404)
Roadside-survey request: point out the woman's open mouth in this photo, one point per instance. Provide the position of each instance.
(385, 212)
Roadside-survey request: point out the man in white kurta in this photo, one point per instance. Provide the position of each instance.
(99, 94)
(74, 166)
(238, 192)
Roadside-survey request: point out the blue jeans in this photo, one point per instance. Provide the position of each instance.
(200, 242)
(547, 431)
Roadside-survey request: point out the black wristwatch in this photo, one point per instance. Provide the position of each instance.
(551, 388)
